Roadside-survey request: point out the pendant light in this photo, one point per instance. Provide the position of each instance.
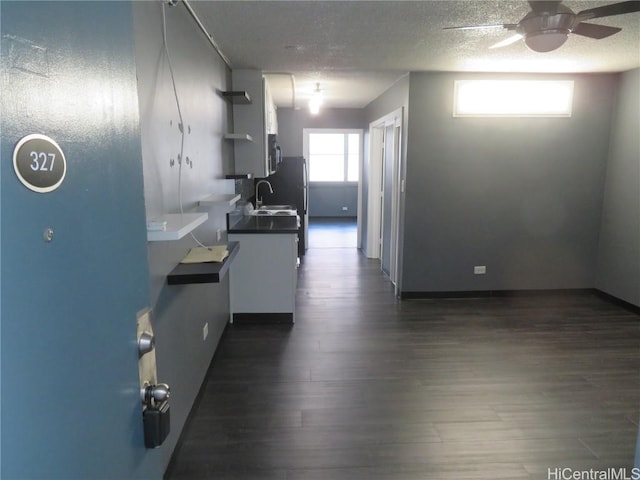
(316, 100)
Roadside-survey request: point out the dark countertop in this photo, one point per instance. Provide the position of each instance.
(208, 272)
(262, 224)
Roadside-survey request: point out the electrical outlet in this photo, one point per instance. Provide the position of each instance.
(479, 270)
(344, 209)
(218, 235)
(205, 331)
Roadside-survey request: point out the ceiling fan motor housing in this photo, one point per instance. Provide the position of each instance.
(544, 31)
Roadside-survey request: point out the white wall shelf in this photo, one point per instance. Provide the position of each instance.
(220, 199)
(238, 136)
(178, 225)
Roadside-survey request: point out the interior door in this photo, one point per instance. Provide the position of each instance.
(387, 197)
(74, 260)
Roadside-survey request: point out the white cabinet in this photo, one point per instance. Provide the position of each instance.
(254, 120)
(264, 276)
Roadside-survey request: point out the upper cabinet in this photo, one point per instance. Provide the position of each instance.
(254, 121)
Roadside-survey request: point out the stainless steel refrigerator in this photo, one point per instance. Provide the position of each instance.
(291, 187)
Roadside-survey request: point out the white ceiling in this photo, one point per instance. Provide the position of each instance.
(356, 49)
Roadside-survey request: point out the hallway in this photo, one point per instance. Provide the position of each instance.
(365, 387)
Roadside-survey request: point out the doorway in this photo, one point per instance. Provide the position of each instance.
(334, 157)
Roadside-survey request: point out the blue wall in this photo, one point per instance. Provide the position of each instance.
(327, 199)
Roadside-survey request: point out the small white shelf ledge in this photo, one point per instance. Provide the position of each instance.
(238, 136)
(226, 200)
(178, 225)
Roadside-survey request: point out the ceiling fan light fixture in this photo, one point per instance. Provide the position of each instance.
(546, 41)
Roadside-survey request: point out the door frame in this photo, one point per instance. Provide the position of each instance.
(305, 151)
(376, 191)
(374, 197)
(396, 192)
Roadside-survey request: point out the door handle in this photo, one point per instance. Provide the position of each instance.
(146, 343)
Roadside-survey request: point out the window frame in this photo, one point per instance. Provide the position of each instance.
(345, 173)
(520, 83)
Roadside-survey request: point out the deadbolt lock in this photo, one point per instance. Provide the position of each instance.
(146, 343)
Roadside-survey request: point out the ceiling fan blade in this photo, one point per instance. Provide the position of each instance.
(507, 41)
(592, 30)
(610, 10)
(544, 5)
(508, 26)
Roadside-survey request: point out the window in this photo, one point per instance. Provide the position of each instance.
(334, 155)
(512, 98)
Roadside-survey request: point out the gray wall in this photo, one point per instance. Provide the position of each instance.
(325, 200)
(291, 123)
(180, 312)
(521, 196)
(396, 96)
(619, 249)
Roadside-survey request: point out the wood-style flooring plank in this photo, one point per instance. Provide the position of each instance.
(365, 386)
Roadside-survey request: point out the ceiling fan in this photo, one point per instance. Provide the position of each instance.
(549, 23)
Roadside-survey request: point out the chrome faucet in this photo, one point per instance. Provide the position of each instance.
(259, 199)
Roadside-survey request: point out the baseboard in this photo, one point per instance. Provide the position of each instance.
(495, 293)
(266, 318)
(521, 293)
(617, 301)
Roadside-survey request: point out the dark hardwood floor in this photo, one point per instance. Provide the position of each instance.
(333, 232)
(365, 386)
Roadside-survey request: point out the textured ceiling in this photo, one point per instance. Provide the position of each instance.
(357, 49)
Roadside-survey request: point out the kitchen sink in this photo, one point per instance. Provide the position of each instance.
(279, 210)
(276, 207)
(282, 213)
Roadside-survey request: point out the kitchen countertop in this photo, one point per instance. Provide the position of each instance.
(262, 224)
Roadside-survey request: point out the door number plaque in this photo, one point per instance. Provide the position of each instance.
(39, 163)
